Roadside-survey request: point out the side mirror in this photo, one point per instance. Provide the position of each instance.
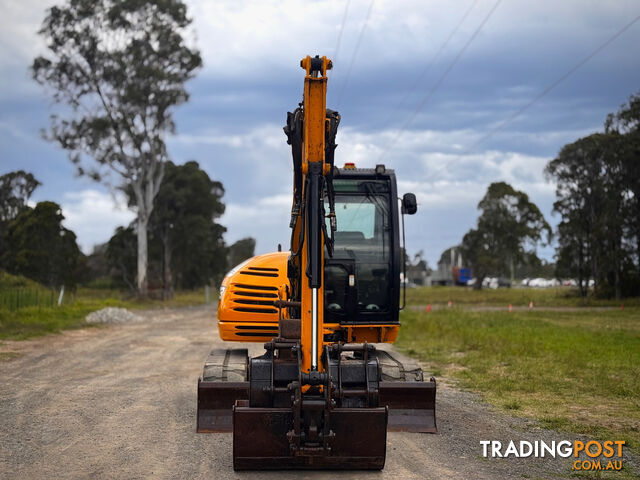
(409, 204)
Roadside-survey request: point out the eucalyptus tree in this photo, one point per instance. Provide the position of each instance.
(625, 124)
(116, 69)
(508, 231)
(598, 196)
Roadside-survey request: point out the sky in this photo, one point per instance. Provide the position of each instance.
(429, 88)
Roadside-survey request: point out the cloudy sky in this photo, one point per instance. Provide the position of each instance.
(423, 86)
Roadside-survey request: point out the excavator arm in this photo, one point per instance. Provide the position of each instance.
(307, 247)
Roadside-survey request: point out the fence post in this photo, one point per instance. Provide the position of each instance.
(207, 294)
(61, 296)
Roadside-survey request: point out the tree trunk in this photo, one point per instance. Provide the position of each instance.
(479, 279)
(167, 277)
(512, 271)
(616, 266)
(638, 249)
(145, 188)
(595, 268)
(580, 272)
(142, 254)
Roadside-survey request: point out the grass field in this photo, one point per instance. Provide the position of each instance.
(557, 297)
(576, 371)
(40, 320)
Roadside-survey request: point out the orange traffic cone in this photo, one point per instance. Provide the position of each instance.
(510, 308)
(530, 305)
(449, 304)
(428, 308)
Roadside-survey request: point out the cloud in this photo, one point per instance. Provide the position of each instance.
(14, 131)
(256, 36)
(259, 205)
(93, 216)
(233, 124)
(448, 181)
(19, 45)
(266, 220)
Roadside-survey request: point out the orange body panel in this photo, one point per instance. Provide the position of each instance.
(245, 310)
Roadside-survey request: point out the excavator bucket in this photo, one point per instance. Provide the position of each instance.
(261, 440)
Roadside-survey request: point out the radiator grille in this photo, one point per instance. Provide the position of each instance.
(257, 273)
(249, 298)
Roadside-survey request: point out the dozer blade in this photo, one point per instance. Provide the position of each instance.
(215, 404)
(223, 382)
(260, 440)
(412, 405)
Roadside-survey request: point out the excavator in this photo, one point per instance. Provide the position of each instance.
(326, 389)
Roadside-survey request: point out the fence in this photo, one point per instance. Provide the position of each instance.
(16, 298)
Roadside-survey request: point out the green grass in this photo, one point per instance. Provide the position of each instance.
(38, 320)
(556, 297)
(575, 371)
(17, 292)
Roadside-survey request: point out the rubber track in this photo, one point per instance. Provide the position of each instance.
(394, 370)
(226, 365)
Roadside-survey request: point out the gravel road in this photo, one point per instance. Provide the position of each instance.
(120, 402)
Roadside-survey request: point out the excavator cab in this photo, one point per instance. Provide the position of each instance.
(324, 394)
(362, 276)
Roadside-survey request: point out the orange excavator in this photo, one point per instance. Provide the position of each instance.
(323, 394)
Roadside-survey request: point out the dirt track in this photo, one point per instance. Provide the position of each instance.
(120, 402)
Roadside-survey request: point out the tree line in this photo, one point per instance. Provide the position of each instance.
(598, 198)
(118, 69)
(187, 247)
(33, 241)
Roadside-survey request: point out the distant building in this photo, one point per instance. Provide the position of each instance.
(451, 269)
